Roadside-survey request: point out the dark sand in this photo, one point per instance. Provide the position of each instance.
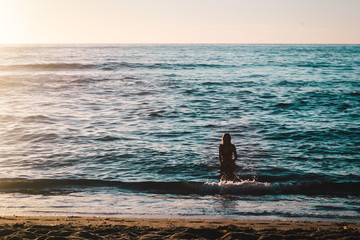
(36, 227)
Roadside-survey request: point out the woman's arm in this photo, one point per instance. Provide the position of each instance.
(221, 153)
(235, 153)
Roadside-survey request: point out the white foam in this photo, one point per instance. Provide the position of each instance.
(242, 187)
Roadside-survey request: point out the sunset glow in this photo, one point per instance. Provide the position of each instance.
(160, 21)
(185, 21)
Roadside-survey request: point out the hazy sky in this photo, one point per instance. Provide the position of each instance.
(179, 21)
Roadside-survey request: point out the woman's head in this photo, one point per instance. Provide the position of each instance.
(226, 138)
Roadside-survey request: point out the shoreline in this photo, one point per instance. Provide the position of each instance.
(82, 227)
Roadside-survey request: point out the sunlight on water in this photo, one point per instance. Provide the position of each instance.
(136, 129)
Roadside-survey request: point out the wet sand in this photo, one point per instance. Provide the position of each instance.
(43, 227)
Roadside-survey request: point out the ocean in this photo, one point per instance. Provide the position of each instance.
(134, 130)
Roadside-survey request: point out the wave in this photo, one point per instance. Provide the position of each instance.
(323, 65)
(244, 187)
(38, 119)
(46, 66)
(107, 66)
(119, 65)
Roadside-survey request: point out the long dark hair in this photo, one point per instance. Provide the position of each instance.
(226, 139)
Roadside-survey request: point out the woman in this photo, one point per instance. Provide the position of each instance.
(227, 157)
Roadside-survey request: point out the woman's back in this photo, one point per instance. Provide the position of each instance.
(227, 152)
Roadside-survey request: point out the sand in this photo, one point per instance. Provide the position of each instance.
(43, 227)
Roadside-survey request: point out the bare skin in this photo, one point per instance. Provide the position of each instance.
(227, 155)
(227, 158)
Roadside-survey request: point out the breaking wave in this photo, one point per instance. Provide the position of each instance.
(244, 187)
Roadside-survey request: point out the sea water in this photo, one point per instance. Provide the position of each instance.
(134, 130)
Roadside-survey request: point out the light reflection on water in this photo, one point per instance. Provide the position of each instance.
(165, 206)
(157, 113)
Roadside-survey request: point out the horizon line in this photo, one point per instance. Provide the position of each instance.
(144, 43)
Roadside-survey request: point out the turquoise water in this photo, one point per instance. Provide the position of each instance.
(133, 130)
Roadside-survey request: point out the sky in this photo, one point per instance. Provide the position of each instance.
(180, 21)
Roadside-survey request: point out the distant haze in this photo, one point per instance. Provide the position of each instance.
(179, 21)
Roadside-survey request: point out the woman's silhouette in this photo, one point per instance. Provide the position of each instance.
(227, 158)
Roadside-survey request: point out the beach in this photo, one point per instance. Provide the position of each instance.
(74, 227)
(179, 120)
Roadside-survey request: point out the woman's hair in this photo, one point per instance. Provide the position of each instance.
(226, 138)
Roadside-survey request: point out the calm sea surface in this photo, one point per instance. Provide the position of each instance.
(133, 130)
